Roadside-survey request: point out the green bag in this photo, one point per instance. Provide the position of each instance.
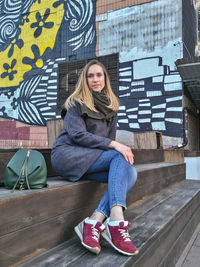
(26, 170)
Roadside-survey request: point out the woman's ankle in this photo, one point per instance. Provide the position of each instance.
(116, 214)
(97, 216)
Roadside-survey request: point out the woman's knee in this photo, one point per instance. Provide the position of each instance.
(118, 156)
(132, 178)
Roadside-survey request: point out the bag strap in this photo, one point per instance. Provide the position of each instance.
(23, 172)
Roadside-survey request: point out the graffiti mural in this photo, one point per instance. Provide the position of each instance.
(35, 36)
(148, 40)
(151, 96)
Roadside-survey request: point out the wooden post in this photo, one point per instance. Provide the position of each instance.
(54, 128)
(148, 140)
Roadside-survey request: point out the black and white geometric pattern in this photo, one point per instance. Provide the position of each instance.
(37, 100)
(150, 95)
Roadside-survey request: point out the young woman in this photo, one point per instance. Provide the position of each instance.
(86, 150)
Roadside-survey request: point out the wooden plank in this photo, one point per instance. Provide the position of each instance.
(67, 196)
(5, 157)
(21, 245)
(148, 140)
(37, 206)
(154, 218)
(54, 128)
(154, 233)
(141, 156)
(174, 155)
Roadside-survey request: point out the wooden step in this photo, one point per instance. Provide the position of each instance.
(161, 226)
(141, 156)
(37, 220)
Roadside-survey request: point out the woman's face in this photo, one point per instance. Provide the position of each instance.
(95, 78)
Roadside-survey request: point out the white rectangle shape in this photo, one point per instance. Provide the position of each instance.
(122, 88)
(142, 112)
(52, 81)
(52, 87)
(125, 73)
(124, 95)
(159, 106)
(145, 105)
(144, 120)
(132, 109)
(171, 99)
(173, 120)
(172, 86)
(125, 79)
(153, 93)
(158, 115)
(122, 107)
(146, 68)
(123, 121)
(158, 79)
(121, 114)
(138, 83)
(44, 78)
(132, 116)
(144, 100)
(175, 109)
(54, 74)
(172, 78)
(134, 125)
(158, 125)
(137, 90)
(48, 70)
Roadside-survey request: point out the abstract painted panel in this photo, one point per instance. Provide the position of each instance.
(148, 38)
(34, 37)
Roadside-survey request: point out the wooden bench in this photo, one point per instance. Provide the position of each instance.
(34, 221)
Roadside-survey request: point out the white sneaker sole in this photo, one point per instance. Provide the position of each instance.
(106, 237)
(78, 230)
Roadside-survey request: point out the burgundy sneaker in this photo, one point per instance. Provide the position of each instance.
(119, 238)
(89, 235)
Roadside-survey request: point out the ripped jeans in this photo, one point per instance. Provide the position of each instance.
(112, 168)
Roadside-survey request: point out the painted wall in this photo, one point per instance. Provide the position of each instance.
(37, 35)
(34, 38)
(148, 38)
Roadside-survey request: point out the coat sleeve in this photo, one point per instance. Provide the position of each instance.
(113, 128)
(77, 131)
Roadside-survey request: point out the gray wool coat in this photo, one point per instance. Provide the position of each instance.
(80, 144)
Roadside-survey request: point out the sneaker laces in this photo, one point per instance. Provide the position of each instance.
(97, 231)
(124, 233)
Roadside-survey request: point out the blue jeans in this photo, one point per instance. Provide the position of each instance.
(112, 168)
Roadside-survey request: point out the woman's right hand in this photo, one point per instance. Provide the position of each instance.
(124, 150)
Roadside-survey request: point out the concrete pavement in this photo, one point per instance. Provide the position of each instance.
(191, 254)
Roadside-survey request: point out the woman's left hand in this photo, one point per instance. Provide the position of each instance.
(124, 150)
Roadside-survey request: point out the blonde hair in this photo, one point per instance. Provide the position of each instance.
(82, 93)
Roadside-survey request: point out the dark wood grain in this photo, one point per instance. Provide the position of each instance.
(141, 156)
(161, 225)
(47, 216)
(29, 207)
